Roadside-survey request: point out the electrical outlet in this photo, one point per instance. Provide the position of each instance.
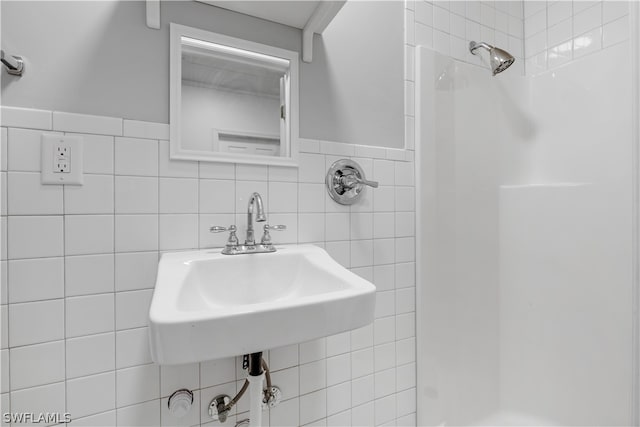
(61, 166)
(61, 159)
(62, 151)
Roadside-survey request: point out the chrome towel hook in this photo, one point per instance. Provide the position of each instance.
(14, 64)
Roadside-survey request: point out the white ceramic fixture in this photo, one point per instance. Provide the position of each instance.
(208, 306)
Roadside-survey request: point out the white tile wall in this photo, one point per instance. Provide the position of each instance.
(561, 31)
(80, 266)
(448, 26)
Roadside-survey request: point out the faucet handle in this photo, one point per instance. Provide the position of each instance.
(266, 237)
(220, 229)
(268, 227)
(233, 239)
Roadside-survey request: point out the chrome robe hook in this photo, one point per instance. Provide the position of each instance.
(13, 64)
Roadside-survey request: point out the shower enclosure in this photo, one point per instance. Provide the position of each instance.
(527, 236)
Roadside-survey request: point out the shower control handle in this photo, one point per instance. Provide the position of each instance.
(349, 181)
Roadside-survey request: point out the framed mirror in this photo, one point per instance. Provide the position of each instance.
(232, 100)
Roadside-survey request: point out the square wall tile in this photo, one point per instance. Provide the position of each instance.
(98, 153)
(136, 270)
(338, 369)
(286, 414)
(313, 406)
(136, 233)
(135, 156)
(132, 348)
(87, 315)
(384, 277)
(136, 195)
(90, 354)
(217, 196)
(311, 227)
(362, 337)
(178, 195)
(91, 395)
(406, 376)
(89, 274)
(311, 197)
(135, 385)
(144, 414)
(362, 363)
(313, 376)
(383, 225)
(132, 309)
(363, 415)
(283, 197)
(49, 398)
(36, 322)
(384, 199)
(362, 390)
(36, 279)
(27, 196)
(338, 398)
(361, 225)
(283, 357)
(95, 196)
(35, 365)
(178, 231)
(337, 226)
(78, 227)
(311, 168)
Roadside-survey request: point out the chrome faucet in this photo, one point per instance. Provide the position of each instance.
(250, 246)
(260, 217)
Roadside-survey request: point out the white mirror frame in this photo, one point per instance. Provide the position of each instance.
(175, 99)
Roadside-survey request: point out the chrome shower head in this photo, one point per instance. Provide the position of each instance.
(499, 59)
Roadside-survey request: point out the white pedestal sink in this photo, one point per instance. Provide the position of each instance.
(208, 306)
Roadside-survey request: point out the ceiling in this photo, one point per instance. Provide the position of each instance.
(292, 13)
(210, 71)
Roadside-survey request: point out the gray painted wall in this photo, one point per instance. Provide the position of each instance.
(96, 57)
(353, 90)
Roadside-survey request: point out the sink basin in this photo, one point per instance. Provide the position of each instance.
(208, 306)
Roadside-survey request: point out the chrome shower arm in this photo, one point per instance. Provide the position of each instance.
(473, 46)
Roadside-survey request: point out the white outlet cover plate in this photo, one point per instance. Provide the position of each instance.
(48, 175)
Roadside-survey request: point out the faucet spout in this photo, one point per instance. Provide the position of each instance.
(256, 199)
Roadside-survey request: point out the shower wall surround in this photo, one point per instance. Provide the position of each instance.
(562, 31)
(79, 265)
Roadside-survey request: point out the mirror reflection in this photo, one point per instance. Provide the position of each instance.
(231, 103)
(235, 99)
